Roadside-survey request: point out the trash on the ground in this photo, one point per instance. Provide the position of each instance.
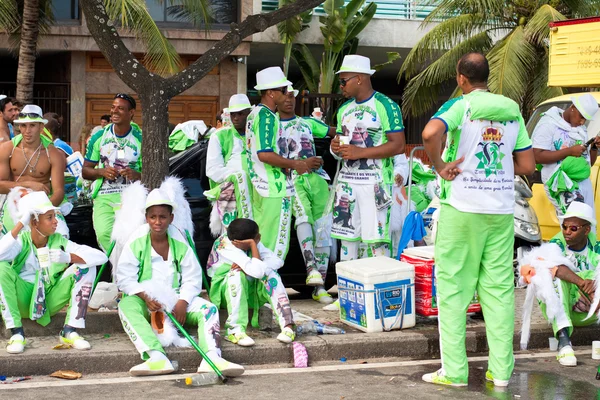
(2, 378)
(66, 374)
(106, 336)
(318, 328)
(62, 346)
(207, 378)
(343, 359)
(299, 317)
(8, 381)
(105, 296)
(300, 355)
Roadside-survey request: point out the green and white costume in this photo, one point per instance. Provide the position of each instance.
(273, 188)
(138, 264)
(313, 220)
(227, 169)
(108, 149)
(258, 283)
(363, 195)
(26, 292)
(477, 212)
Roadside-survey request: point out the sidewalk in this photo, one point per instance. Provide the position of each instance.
(113, 352)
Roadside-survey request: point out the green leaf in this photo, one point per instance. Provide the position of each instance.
(392, 56)
(9, 16)
(511, 61)
(332, 6)
(361, 21)
(446, 8)
(309, 68)
(334, 33)
(537, 28)
(200, 13)
(351, 9)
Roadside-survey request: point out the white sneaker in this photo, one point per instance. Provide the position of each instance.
(497, 382)
(148, 368)
(335, 306)
(287, 335)
(314, 278)
(74, 340)
(566, 357)
(227, 368)
(16, 344)
(320, 295)
(241, 339)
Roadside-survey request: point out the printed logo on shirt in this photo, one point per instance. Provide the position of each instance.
(490, 157)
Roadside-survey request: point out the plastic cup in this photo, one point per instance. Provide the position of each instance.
(43, 255)
(553, 342)
(596, 350)
(344, 139)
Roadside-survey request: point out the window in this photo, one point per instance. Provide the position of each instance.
(222, 12)
(65, 10)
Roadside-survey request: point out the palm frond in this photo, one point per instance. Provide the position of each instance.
(9, 20)
(581, 8)
(447, 8)
(538, 89)
(160, 56)
(422, 91)
(511, 61)
(445, 35)
(392, 56)
(537, 28)
(309, 67)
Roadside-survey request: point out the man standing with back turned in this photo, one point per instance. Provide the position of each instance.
(487, 144)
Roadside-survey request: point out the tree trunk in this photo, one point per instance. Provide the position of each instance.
(155, 138)
(27, 50)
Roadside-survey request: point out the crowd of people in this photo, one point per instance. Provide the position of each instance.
(264, 172)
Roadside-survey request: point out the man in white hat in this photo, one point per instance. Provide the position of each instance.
(30, 160)
(227, 168)
(157, 256)
(313, 220)
(41, 272)
(269, 166)
(377, 120)
(559, 145)
(9, 111)
(577, 288)
(113, 161)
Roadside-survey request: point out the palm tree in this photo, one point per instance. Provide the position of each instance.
(512, 34)
(289, 29)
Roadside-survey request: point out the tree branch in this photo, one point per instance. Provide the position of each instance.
(252, 24)
(126, 66)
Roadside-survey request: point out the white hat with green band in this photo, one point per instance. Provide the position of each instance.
(291, 89)
(238, 102)
(31, 113)
(356, 63)
(271, 78)
(586, 104)
(158, 198)
(36, 203)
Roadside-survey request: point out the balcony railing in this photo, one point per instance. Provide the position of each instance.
(386, 9)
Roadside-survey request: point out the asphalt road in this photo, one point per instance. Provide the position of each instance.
(537, 376)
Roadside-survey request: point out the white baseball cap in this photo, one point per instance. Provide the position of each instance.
(158, 198)
(579, 210)
(31, 113)
(356, 63)
(238, 102)
(586, 104)
(271, 78)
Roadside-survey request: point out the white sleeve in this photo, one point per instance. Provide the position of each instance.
(334, 155)
(10, 247)
(191, 277)
(215, 164)
(542, 137)
(127, 272)
(269, 258)
(91, 256)
(251, 266)
(401, 167)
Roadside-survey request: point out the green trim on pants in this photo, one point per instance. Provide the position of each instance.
(570, 297)
(104, 217)
(474, 252)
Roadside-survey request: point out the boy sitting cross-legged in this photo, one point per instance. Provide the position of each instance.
(244, 273)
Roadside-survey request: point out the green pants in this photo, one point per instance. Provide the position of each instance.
(475, 252)
(103, 217)
(73, 288)
(135, 318)
(274, 218)
(570, 297)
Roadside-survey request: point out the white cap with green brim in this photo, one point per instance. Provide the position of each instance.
(356, 63)
(158, 198)
(36, 203)
(271, 78)
(238, 102)
(579, 210)
(31, 113)
(587, 105)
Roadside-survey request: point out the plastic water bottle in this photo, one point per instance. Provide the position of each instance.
(207, 378)
(309, 327)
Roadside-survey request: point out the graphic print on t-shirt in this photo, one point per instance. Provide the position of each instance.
(490, 156)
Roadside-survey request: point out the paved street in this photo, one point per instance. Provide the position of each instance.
(537, 376)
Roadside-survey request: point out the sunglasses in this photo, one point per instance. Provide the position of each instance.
(281, 89)
(29, 115)
(572, 228)
(343, 81)
(126, 97)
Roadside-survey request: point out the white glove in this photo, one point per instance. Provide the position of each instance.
(60, 257)
(26, 218)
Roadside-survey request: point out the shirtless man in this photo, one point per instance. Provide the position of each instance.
(31, 161)
(9, 111)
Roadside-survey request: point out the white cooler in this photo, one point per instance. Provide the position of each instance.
(376, 294)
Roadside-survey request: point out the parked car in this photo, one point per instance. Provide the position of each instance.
(190, 166)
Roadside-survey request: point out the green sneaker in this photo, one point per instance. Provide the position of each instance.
(241, 339)
(497, 382)
(439, 378)
(320, 295)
